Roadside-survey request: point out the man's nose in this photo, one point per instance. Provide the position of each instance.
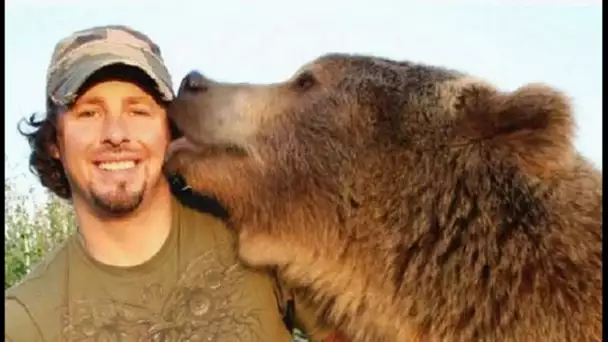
(194, 82)
(115, 131)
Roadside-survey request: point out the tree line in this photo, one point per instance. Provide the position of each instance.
(31, 229)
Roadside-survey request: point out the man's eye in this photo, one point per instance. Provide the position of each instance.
(140, 112)
(89, 113)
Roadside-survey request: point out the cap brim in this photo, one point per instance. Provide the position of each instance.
(86, 66)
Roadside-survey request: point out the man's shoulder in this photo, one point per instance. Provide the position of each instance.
(19, 325)
(36, 297)
(209, 245)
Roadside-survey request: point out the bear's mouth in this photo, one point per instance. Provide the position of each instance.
(183, 144)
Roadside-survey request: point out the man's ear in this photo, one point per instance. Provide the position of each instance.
(534, 124)
(53, 150)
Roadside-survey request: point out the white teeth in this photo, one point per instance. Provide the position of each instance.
(114, 166)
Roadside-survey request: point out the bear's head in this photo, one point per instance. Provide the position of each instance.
(343, 120)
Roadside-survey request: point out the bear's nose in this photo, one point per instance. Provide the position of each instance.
(194, 82)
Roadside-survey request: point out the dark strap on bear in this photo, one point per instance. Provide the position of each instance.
(285, 302)
(203, 203)
(289, 316)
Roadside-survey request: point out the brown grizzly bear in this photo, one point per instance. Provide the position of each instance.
(410, 202)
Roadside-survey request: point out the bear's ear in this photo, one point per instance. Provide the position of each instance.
(534, 124)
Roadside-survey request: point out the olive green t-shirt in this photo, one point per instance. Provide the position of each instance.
(193, 289)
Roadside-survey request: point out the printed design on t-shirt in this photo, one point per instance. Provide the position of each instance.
(209, 302)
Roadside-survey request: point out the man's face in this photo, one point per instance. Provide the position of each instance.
(112, 144)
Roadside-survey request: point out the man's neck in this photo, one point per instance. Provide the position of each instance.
(129, 240)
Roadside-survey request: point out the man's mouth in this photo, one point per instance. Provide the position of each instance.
(117, 165)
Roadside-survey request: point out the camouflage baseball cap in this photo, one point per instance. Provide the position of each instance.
(84, 52)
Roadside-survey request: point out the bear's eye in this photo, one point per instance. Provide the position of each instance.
(305, 81)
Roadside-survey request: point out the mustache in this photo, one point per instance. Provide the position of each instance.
(114, 153)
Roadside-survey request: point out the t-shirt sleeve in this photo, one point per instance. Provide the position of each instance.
(18, 324)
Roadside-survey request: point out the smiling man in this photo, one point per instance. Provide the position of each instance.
(141, 266)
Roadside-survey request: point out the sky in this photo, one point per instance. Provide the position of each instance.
(509, 43)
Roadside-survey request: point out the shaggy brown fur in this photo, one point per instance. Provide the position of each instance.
(410, 202)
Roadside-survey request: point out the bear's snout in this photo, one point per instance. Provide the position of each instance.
(194, 81)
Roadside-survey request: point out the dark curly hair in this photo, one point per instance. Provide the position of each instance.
(43, 135)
